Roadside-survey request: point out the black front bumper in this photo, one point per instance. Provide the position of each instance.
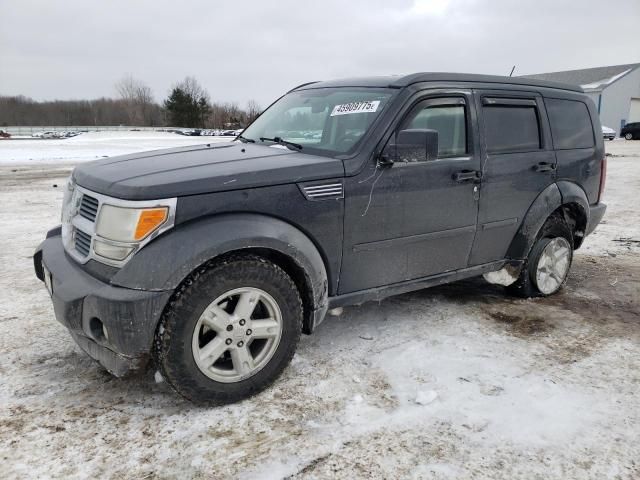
(85, 304)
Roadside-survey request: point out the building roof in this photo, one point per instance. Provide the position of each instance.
(590, 79)
(400, 81)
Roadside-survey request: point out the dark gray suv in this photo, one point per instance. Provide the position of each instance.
(213, 259)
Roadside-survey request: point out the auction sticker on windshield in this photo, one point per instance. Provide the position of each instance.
(355, 107)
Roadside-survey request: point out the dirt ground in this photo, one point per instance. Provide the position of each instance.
(459, 381)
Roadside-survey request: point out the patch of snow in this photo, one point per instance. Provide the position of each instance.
(505, 276)
(425, 397)
(92, 146)
(561, 402)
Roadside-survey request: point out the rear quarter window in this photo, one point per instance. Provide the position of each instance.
(570, 124)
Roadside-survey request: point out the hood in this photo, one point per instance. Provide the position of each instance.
(202, 169)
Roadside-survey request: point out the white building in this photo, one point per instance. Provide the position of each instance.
(615, 90)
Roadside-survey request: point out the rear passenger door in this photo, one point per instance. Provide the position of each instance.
(517, 161)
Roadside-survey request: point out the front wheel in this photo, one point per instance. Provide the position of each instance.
(548, 263)
(628, 136)
(231, 330)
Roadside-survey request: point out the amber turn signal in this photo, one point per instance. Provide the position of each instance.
(149, 220)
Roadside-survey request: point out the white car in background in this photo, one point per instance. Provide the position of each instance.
(608, 133)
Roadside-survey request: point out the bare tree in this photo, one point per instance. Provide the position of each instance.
(138, 100)
(253, 110)
(193, 89)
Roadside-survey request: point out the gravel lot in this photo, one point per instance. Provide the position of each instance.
(458, 381)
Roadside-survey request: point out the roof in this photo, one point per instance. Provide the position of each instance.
(400, 81)
(589, 79)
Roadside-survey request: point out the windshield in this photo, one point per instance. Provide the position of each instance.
(327, 121)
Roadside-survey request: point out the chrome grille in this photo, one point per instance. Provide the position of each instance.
(82, 243)
(88, 207)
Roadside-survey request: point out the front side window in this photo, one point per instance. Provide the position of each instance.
(448, 118)
(327, 121)
(511, 128)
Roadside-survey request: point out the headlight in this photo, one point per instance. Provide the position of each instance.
(120, 230)
(123, 224)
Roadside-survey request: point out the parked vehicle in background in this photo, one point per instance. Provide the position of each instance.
(608, 133)
(631, 131)
(4, 134)
(53, 134)
(213, 259)
(229, 133)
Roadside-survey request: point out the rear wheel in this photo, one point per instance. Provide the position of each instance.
(548, 263)
(230, 332)
(628, 136)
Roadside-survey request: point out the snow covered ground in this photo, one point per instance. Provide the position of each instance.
(458, 381)
(92, 145)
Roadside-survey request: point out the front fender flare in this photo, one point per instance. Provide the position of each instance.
(164, 263)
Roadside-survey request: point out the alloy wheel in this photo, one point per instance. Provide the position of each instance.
(237, 334)
(553, 265)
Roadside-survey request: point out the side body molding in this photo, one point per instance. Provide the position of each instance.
(543, 206)
(169, 259)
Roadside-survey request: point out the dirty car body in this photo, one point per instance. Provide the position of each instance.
(351, 190)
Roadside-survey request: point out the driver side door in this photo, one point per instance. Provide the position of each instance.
(415, 219)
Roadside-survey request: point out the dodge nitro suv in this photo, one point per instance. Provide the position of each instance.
(212, 260)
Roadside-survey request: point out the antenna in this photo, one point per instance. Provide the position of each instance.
(514, 67)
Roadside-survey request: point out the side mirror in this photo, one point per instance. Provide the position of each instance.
(417, 145)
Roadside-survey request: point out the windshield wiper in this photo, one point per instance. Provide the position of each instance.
(282, 141)
(245, 139)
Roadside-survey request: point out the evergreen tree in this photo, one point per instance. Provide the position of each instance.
(178, 105)
(188, 104)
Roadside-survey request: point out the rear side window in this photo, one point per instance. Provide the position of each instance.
(570, 124)
(511, 128)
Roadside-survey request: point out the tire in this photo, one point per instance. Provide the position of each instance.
(628, 136)
(179, 350)
(554, 236)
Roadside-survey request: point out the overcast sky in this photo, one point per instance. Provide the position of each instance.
(259, 49)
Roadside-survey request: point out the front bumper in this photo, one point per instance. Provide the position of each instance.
(113, 325)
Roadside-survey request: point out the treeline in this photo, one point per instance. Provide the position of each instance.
(187, 105)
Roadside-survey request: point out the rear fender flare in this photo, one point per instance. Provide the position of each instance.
(575, 197)
(542, 207)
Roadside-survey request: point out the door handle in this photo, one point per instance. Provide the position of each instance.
(467, 176)
(544, 167)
